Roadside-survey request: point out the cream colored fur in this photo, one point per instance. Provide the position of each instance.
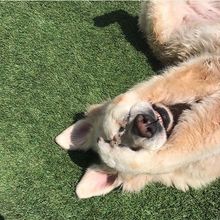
(187, 31)
(177, 29)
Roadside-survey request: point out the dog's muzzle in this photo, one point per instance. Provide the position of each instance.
(145, 125)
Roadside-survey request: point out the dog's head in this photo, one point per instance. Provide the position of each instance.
(119, 130)
(145, 126)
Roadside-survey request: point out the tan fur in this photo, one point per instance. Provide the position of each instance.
(195, 175)
(177, 30)
(193, 79)
(194, 138)
(174, 31)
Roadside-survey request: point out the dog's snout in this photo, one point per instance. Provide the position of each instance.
(144, 125)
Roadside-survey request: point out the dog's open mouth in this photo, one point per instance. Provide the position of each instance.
(164, 116)
(169, 115)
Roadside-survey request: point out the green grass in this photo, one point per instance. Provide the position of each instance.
(56, 58)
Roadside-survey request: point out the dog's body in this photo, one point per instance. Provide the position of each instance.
(178, 29)
(134, 142)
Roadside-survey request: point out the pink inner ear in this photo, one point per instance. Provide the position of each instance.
(80, 132)
(100, 180)
(96, 183)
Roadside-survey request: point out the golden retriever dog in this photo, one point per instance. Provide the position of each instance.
(166, 129)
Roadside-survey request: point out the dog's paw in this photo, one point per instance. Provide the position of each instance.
(104, 145)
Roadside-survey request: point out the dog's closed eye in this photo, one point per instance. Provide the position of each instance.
(136, 148)
(121, 129)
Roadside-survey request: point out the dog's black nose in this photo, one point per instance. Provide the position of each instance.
(145, 125)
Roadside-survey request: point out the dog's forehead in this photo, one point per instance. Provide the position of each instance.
(118, 110)
(114, 117)
(140, 107)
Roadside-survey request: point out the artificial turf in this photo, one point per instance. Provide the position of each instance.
(56, 58)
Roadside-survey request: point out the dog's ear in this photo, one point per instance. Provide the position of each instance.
(96, 182)
(76, 136)
(79, 135)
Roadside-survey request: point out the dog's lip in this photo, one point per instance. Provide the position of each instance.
(162, 115)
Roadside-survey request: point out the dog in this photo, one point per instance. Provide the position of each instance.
(166, 129)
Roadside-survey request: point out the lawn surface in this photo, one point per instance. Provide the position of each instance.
(56, 58)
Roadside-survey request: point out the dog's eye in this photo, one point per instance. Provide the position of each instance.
(136, 148)
(121, 129)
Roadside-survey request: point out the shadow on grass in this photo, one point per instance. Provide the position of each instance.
(1, 217)
(84, 159)
(129, 26)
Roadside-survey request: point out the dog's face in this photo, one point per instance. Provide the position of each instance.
(133, 131)
(137, 126)
(133, 127)
(144, 126)
(119, 131)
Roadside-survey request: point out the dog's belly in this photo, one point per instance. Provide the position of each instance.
(177, 30)
(201, 11)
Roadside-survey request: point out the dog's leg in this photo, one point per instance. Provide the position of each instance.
(196, 175)
(187, 82)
